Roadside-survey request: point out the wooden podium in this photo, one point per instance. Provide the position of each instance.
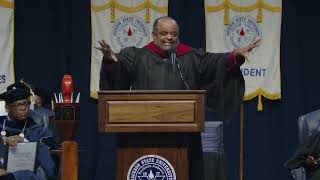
(152, 130)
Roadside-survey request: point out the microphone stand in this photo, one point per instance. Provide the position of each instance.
(175, 62)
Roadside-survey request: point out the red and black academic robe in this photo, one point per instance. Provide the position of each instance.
(150, 68)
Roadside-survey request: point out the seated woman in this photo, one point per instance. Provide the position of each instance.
(19, 127)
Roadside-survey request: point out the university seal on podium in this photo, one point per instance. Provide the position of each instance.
(242, 31)
(151, 167)
(129, 30)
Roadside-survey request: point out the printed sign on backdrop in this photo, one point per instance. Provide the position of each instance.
(6, 44)
(232, 24)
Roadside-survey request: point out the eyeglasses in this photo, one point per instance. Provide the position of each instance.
(21, 105)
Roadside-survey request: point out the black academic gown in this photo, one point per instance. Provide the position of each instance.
(143, 69)
(33, 133)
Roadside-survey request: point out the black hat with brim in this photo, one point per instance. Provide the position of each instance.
(42, 93)
(19, 85)
(14, 95)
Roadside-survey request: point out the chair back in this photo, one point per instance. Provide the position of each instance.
(69, 160)
(308, 124)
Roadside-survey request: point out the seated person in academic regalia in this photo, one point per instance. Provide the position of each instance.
(39, 110)
(18, 126)
(307, 156)
(42, 100)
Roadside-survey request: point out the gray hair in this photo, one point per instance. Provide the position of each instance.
(156, 22)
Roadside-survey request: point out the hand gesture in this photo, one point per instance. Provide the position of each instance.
(12, 140)
(311, 162)
(244, 52)
(107, 51)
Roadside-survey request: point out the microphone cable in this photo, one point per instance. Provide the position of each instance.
(175, 62)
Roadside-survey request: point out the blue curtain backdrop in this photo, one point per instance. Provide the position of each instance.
(54, 37)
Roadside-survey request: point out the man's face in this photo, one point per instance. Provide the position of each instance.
(18, 109)
(166, 35)
(38, 100)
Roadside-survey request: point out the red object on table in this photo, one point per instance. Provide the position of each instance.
(67, 88)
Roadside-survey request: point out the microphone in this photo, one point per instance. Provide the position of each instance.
(172, 51)
(173, 57)
(175, 63)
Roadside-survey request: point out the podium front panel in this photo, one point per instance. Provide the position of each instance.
(151, 111)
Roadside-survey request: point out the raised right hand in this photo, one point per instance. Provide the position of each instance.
(108, 54)
(311, 163)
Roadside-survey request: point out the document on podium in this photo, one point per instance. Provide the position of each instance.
(22, 157)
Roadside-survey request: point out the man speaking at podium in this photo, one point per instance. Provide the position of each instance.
(167, 64)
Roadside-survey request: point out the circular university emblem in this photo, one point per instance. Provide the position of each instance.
(129, 30)
(242, 31)
(151, 167)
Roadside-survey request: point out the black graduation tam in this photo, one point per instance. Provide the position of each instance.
(14, 95)
(18, 85)
(42, 93)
